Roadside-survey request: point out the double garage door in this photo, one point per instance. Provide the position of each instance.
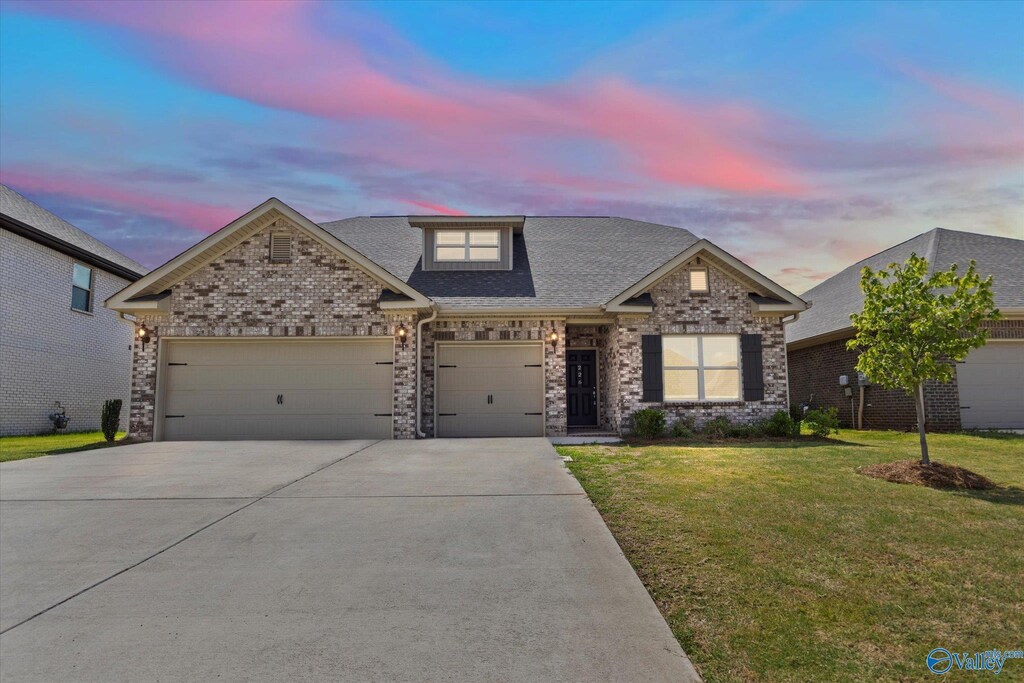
(275, 389)
(490, 389)
(991, 384)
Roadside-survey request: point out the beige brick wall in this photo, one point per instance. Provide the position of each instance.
(49, 352)
(243, 294)
(725, 309)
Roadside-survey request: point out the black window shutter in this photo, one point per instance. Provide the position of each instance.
(753, 368)
(650, 345)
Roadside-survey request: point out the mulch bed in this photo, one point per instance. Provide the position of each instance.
(937, 475)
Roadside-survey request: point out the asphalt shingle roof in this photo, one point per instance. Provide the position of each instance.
(28, 212)
(836, 298)
(558, 262)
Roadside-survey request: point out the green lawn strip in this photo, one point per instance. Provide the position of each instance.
(782, 563)
(21, 447)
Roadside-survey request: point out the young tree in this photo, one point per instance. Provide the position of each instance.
(915, 325)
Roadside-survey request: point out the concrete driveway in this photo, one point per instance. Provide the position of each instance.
(447, 560)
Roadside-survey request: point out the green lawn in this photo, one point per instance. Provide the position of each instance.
(21, 447)
(778, 562)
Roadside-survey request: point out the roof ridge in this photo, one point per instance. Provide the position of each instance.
(868, 257)
(933, 249)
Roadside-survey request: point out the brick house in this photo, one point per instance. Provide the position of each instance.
(58, 344)
(988, 389)
(406, 326)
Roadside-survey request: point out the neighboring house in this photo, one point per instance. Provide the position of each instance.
(988, 391)
(385, 327)
(58, 344)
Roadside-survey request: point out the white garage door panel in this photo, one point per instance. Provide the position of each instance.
(298, 352)
(991, 384)
(264, 402)
(229, 390)
(258, 427)
(528, 400)
(493, 425)
(490, 390)
(278, 377)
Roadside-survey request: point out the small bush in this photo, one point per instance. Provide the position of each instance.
(796, 411)
(748, 431)
(649, 423)
(717, 427)
(110, 419)
(781, 424)
(684, 428)
(822, 422)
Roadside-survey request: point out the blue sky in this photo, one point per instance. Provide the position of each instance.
(799, 136)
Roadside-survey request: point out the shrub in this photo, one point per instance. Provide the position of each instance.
(649, 423)
(110, 419)
(684, 428)
(781, 424)
(822, 422)
(747, 431)
(717, 427)
(796, 411)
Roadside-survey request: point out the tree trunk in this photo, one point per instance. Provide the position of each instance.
(919, 404)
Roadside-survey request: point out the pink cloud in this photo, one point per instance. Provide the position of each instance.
(985, 123)
(435, 208)
(275, 54)
(189, 214)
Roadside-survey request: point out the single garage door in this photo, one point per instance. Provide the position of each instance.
(991, 383)
(490, 390)
(276, 389)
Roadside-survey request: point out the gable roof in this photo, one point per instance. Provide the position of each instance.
(787, 303)
(558, 261)
(32, 221)
(837, 297)
(150, 292)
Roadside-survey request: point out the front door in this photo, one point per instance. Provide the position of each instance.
(581, 387)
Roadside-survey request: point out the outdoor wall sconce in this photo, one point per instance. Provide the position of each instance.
(553, 338)
(402, 334)
(143, 334)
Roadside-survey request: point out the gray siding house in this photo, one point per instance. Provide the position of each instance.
(58, 343)
(275, 327)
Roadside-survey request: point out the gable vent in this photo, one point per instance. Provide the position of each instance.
(280, 247)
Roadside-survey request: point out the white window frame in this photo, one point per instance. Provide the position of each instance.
(466, 246)
(707, 280)
(700, 368)
(88, 291)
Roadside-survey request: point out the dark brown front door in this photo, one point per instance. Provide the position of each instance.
(581, 387)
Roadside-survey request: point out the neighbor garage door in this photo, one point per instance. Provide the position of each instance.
(991, 383)
(275, 389)
(490, 390)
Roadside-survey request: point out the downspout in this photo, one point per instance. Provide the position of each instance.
(785, 351)
(419, 370)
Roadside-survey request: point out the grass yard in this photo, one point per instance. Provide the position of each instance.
(21, 447)
(778, 562)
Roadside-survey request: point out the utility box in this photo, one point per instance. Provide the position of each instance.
(844, 380)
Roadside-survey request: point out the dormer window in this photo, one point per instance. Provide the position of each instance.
(467, 246)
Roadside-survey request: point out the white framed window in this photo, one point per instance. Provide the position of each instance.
(81, 288)
(698, 279)
(701, 367)
(477, 246)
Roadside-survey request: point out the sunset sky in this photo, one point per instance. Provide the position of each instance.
(799, 136)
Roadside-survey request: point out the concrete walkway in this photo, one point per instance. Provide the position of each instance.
(452, 560)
